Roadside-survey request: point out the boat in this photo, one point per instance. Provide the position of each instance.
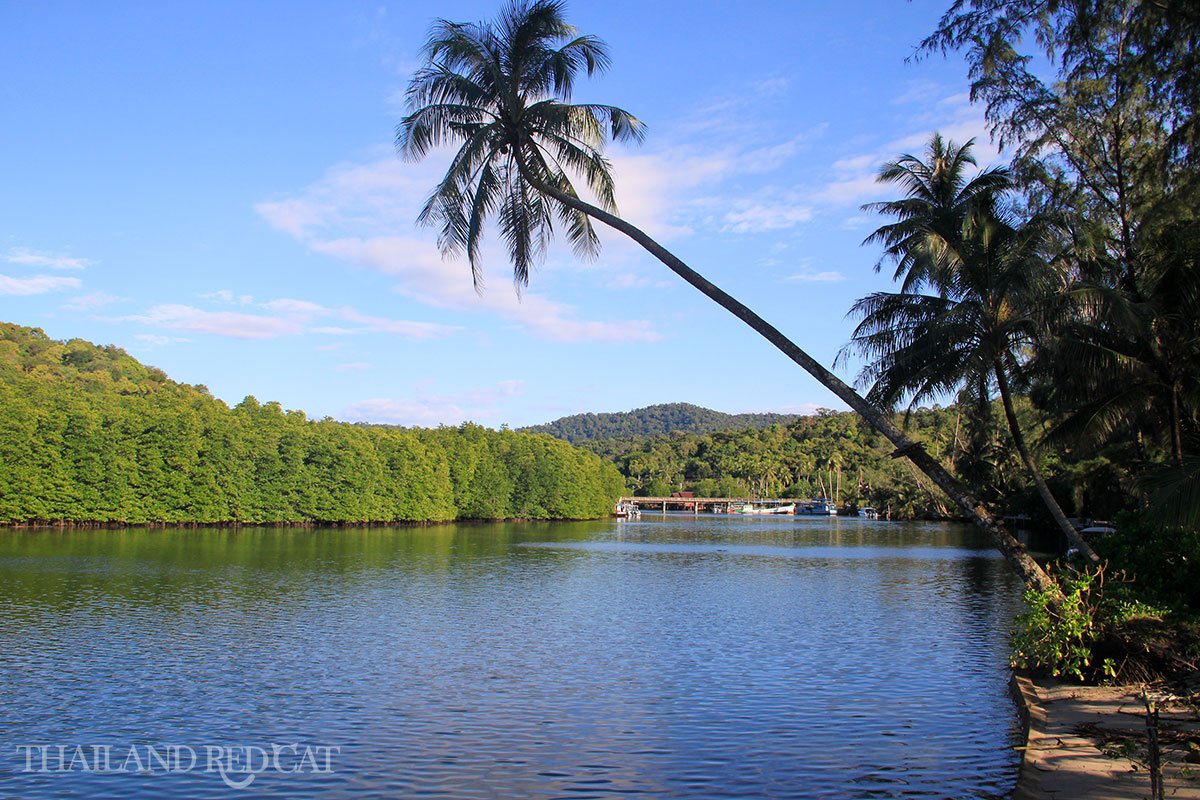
(867, 512)
(819, 507)
(749, 508)
(627, 511)
(1096, 531)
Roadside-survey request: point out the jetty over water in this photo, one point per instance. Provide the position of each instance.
(714, 505)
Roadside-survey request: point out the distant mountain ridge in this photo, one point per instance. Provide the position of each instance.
(654, 420)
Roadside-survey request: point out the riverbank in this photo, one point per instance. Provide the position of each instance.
(401, 523)
(1089, 743)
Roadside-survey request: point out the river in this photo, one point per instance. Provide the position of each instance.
(672, 656)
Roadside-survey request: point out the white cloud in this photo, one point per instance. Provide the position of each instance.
(353, 366)
(36, 284)
(288, 305)
(156, 340)
(34, 258)
(952, 115)
(428, 408)
(802, 409)
(402, 327)
(444, 284)
(90, 301)
(226, 297)
(352, 214)
(426, 412)
(237, 325)
(762, 217)
(805, 276)
(804, 271)
(668, 194)
(628, 280)
(290, 317)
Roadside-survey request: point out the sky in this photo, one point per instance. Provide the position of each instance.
(213, 187)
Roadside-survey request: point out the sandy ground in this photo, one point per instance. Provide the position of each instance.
(1071, 727)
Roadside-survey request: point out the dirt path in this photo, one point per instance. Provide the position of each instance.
(1070, 728)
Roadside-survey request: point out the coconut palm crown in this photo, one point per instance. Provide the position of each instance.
(938, 201)
(501, 92)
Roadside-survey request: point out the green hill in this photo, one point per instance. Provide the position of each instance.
(90, 434)
(654, 421)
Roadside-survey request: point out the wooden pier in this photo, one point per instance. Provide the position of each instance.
(712, 505)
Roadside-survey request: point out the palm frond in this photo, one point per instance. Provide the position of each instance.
(501, 91)
(1175, 494)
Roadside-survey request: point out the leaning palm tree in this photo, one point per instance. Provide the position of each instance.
(971, 278)
(501, 92)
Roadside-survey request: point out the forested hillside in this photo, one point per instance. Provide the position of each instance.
(654, 421)
(89, 434)
(836, 453)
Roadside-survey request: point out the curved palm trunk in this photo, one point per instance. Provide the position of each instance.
(1031, 467)
(1016, 553)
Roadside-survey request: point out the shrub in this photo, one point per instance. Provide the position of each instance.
(1056, 632)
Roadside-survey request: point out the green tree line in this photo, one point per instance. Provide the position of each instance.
(89, 434)
(837, 453)
(654, 421)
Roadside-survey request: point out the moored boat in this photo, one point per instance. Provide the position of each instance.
(749, 508)
(820, 507)
(627, 511)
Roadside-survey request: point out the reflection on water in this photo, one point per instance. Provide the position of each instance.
(675, 656)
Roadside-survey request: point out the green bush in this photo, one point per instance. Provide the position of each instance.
(1056, 632)
(1163, 563)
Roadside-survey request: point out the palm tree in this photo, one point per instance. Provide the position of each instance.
(985, 275)
(501, 92)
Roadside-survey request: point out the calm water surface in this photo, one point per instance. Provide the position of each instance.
(675, 656)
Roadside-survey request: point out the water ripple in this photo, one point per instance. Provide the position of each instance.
(679, 657)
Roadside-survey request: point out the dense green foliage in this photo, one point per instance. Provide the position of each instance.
(1162, 562)
(1105, 145)
(829, 453)
(90, 434)
(1056, 632)
(654, 420)
(1095, 101)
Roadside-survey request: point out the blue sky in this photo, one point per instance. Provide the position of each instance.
(212, 186)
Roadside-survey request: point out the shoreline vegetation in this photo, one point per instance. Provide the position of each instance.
(87, 525)
(90, 435)
(91, 438)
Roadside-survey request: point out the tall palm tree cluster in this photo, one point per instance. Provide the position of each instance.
(971, 310)
(990, 300)
(974, 281)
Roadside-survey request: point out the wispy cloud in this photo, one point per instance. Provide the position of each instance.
(236, 325)
(431, 408)
(805, 271)
(36, 284)
(90, 301)
(805, 276)
(350, 215)
(951, 114)
(35, 258)
(675, 191)
(152, 340)
(284, 317)
(761, 217)
(226, 297)
(400, 327)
